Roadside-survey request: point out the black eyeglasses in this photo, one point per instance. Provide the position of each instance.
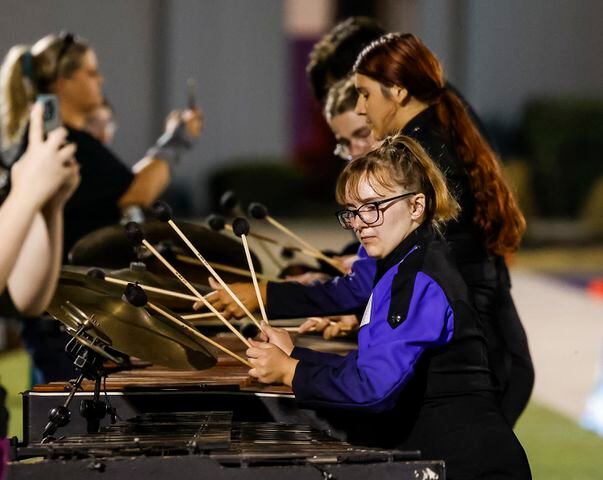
(369, 213)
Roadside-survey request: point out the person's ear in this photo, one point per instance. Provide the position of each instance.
(399, 94)
(417, 207)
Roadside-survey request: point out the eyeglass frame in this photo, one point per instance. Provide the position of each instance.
(377, 204)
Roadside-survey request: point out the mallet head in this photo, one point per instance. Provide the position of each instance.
(240, 226)
(257, 210)
(216, 222)
(96, 273)
(135, 295)
(228, 201)
(162, 211)
(134, 233)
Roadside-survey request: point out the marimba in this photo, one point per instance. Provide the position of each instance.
(201, 423)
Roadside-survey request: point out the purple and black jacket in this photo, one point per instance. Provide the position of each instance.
(418, 313)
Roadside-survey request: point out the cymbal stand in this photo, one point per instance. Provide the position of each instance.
(88, 353)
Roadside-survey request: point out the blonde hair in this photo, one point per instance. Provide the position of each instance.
(342, 97)
(19, 86)
(401, 162)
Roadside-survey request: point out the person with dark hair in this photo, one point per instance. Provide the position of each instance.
(420, 379)
(66, 66)
(333, 56)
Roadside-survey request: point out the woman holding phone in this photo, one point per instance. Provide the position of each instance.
(67, 66)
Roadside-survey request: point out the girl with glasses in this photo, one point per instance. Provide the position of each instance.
(420, 378)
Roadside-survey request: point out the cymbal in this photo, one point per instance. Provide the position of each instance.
(109, 248)
(127, 329)
(138, 272)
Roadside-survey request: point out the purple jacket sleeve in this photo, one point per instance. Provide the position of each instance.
(373, 377)
(337, 296)
(312, 356)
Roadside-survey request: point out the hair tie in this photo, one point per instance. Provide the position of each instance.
(27, 65)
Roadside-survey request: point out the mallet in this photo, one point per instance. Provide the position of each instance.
(171, 253)
(226, 268)
(260, 212)
(218, 223)
(240, 227)
(100, 274)
(164, 213)
(230, 204)
(135, 235)
(137, 297)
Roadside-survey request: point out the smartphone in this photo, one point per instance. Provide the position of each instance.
(51, 115)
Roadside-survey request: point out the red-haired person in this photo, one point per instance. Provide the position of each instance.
(402, 88)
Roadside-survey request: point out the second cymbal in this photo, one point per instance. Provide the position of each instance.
(127, 329)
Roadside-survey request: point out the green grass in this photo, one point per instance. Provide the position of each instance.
(15, 377)
(557, 447)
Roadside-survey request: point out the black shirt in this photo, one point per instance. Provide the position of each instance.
(104, 179)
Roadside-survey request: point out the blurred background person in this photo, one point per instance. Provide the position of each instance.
(101, 123)
(67, 66)
(354, 137)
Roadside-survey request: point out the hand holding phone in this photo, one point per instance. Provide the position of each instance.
(47, 165)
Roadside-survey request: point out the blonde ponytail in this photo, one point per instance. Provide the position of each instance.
(51, 57)
(16, 95)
